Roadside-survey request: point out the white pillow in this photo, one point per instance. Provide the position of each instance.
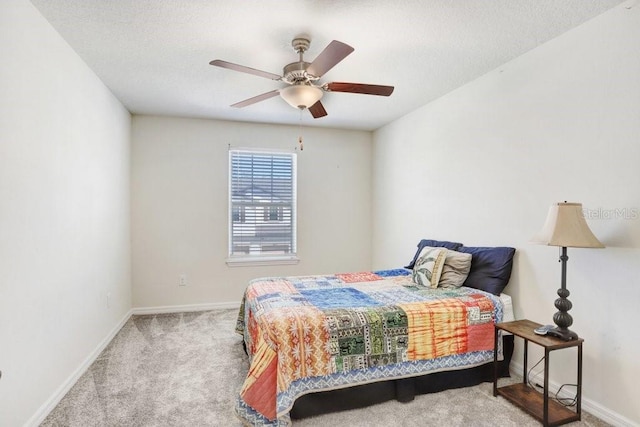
(456, 269)
(428, 267)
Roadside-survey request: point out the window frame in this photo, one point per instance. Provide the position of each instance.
(236, 260)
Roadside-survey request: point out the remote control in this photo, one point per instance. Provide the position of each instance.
(542, 330)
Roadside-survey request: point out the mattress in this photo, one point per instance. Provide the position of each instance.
(507, 308)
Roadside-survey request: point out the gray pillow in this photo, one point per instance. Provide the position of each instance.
(456, 269)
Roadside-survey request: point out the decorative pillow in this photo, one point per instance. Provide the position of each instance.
(428, 267)
(434, 244)
(456, 269)
(490, 268)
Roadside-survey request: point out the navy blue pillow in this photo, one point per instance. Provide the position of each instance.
(434, 244)
(490, 268)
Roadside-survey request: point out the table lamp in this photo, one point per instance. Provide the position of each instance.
(565, 227)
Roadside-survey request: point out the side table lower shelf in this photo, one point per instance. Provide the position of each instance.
(532, 402)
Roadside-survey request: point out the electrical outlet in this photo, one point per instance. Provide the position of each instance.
(183, 280)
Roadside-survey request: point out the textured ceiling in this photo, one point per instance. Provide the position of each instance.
(154, 54)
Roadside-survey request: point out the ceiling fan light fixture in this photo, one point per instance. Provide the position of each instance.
(301, 96)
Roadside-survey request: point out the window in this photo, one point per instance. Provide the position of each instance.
(238, 214)
(274, 213)
(262, 206)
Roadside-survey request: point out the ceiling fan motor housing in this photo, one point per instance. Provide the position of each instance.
(296, 72)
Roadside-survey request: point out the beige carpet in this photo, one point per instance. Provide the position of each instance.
(186, 369)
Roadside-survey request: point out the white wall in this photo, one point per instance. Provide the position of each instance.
(64, 213)
(180, 206)
(482, 164)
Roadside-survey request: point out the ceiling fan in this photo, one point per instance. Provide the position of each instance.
(304, 91)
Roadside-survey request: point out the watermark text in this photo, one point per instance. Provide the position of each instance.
(611, 213)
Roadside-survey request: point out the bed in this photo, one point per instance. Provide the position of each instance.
(331, 342)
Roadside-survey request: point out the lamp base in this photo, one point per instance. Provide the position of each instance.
(562, 333)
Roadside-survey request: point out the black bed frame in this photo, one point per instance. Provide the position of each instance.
(402, 390)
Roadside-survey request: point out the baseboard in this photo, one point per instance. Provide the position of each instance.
(592, 407)
(185, 308)
(64, 388)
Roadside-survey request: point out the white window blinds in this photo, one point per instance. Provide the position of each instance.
(262, 203)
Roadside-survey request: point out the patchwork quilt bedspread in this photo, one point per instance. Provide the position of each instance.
(312, 333)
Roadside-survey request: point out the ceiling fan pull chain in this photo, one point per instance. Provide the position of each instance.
(300, 132)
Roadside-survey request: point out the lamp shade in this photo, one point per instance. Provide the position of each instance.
(301, 95)
(565, 226)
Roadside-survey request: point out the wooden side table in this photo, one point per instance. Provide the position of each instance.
(538, 405)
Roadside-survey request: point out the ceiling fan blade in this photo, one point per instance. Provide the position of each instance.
(243, 69)
(256, 99)
(360, 88)
(317, 110)
(332, 54)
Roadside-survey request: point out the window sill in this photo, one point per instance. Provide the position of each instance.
(252, 261)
